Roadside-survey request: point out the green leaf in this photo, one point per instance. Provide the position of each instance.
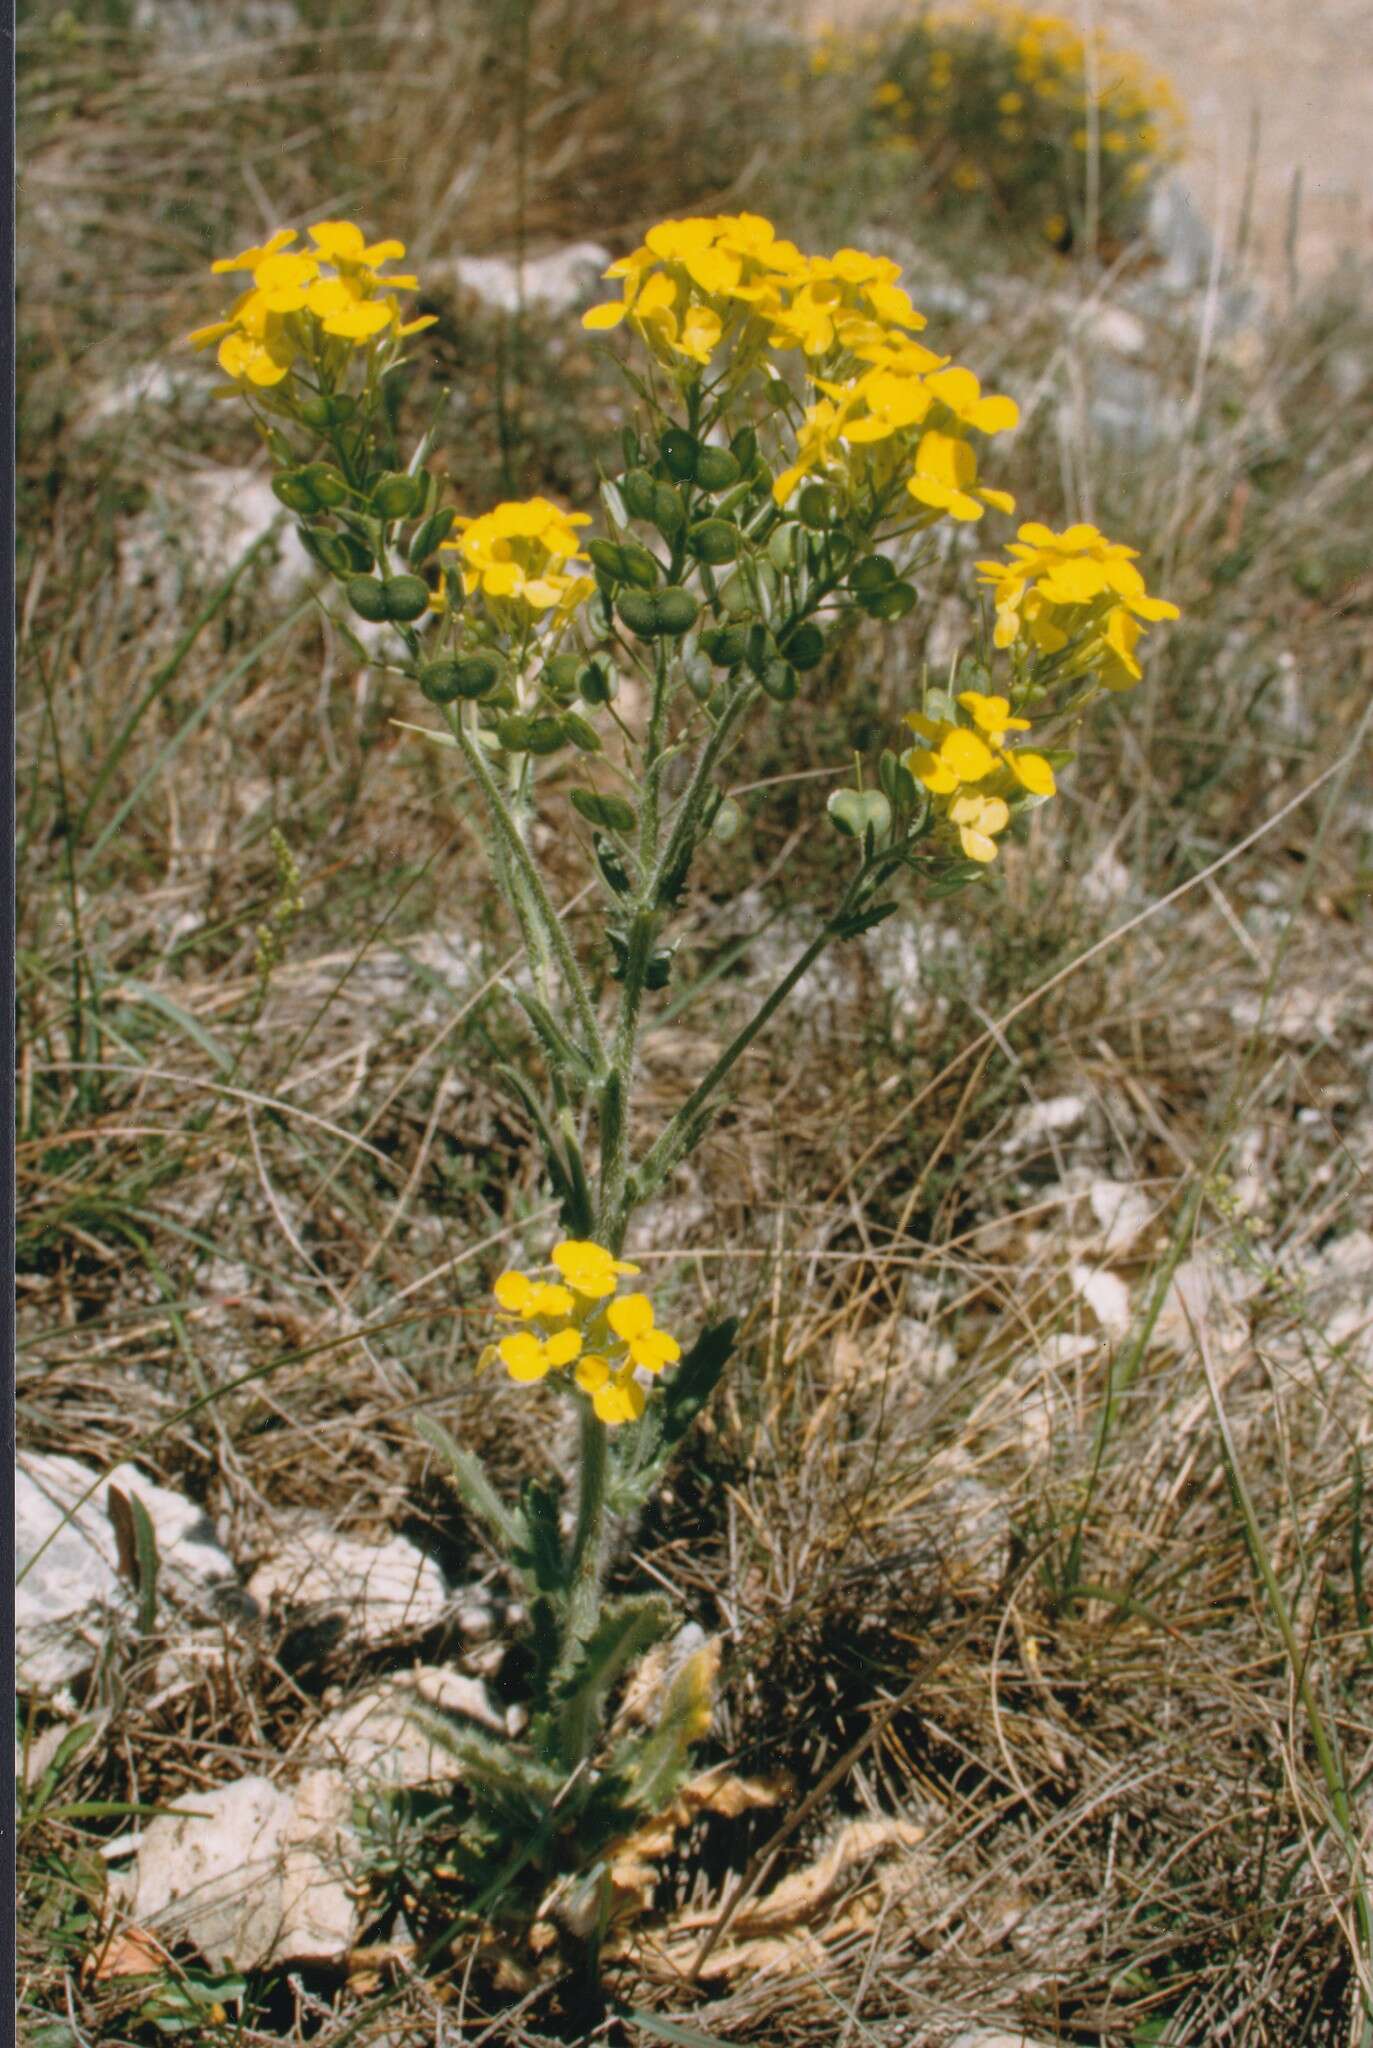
(541, 1558)
(474, 1487)
(565, 1055)
(864, 920)
(670, 2031)
(136, 1541)
(626, 1629)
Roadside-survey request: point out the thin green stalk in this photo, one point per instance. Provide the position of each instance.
(522, 861)
(588, 1542)
(653, 759)
(702, 776)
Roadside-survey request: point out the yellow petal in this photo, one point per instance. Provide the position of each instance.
(1032, 772)
(601, 317)
(968, 757)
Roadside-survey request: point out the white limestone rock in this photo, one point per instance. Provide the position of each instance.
(370, 1591)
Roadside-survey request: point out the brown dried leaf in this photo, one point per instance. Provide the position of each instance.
(130, 1952)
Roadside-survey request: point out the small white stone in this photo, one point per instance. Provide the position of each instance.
(1105, 1294)
(1115, 328)
(379, 1589)
(557, 281)
(1123, 1212)
(1040, 1120)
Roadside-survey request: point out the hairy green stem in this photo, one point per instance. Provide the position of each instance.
(588, 1542)
(523, 864)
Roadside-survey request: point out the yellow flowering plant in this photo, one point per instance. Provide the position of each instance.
(1017, 111)
(797, 455)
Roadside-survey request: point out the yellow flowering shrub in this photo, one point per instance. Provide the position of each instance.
(1001, 104)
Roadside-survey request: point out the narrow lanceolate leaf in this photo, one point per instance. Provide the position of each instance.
(565, 1054)
(136, 1544)
(474, 1487)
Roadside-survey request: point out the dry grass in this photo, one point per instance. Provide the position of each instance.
(963, 1515)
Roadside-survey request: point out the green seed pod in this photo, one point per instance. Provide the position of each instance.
(728, 821)
(513, 733)
(669, 513)
(700, 677)
(581, 732)
(727, 646)
(611, 866)
(871, 574)
(638, 566)
(474, 675)
(407, 597)
(744, 449)
(544, 735)
(597, 682)
(636, 488)
(398, 496)
(629, 443)
(680, 451)
(780, 681)
(893, 601)
(638, 609)
(429, 535)
(328, 550)
(717, 469)
(367, 596)
(599, 617)
(294, 492)
(736, 595)
(560, 677)
(677, 610)
(358, 553)
(600, 807)
(856, 811)
(714, 541)
(440, 680)
(317, 413)
(760, 649)
(329, 485)
(816, 507)
(607, 558)
(782, 547)
(805, 647)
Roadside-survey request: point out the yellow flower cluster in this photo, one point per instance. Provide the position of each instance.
(579, 1320)
(886, 402)
(1078, 589)
(335, 289)
(971, 773)
(518, 555)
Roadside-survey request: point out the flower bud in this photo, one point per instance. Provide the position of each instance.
(717, 469)
(680, 451)
(714, 541)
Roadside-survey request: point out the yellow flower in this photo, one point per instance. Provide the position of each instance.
(588, 1268)
(1074, 585)
(527, 1357)
(519, 554)
(527, 1298)
(615, 1394)
(946, 479)
(631, 1318)
(979, 819)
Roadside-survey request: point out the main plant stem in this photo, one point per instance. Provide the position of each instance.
(588, 1541)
